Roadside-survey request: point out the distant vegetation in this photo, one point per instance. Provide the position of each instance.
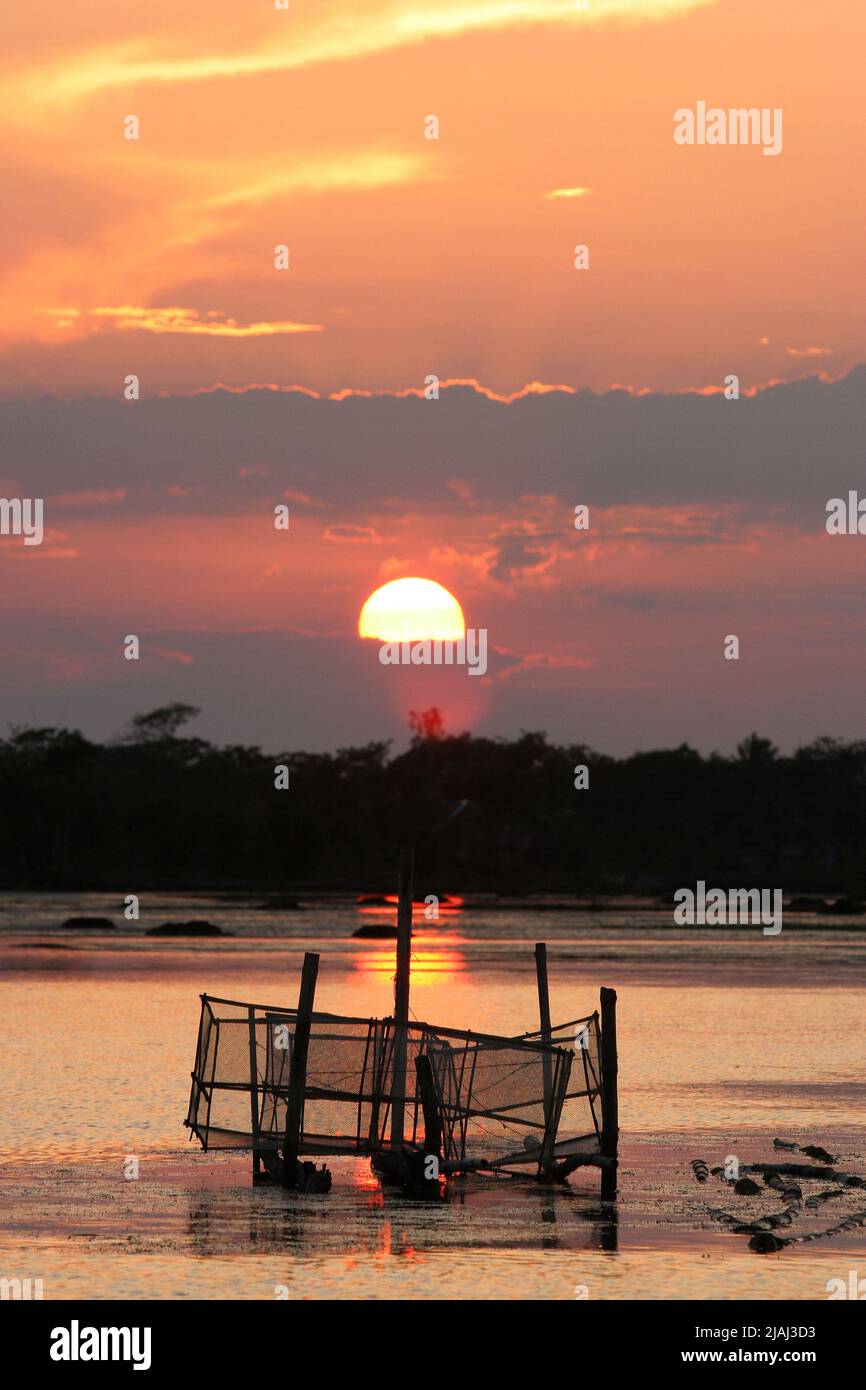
(157, 808)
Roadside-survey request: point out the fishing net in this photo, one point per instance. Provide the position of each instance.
(502, 1100)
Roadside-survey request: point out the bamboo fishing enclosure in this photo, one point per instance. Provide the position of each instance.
(425, 1104)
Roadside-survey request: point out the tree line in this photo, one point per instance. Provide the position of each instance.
(160, 808)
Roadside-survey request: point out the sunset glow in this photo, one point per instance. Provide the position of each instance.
(309, 129)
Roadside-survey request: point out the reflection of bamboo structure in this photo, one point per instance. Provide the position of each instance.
(297, 1082)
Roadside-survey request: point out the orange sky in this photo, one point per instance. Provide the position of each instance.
(410, 256)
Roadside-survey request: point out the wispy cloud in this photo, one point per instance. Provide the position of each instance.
(340, 38)
(566, 193)
(354, 535)
(127, 318)
(100, 497)
(369, 169)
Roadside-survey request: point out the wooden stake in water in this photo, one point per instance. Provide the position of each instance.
(547, 1074)
(401, 994)
(609, 1095)
(298, 1069)
(254, 1091)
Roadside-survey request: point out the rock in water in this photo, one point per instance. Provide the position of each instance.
(88, 924)
(814, 1151)
(746, 1188)
(764, 1242)
(700, 1169)
(187, 929)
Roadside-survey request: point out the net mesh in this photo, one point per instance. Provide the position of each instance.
(499, 1099)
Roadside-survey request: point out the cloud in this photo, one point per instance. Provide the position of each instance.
(543, 662)
(566, 193)
(519, 558)
(340, 37)
(809, 352)
(375, 169)
(772, 457)
(354, 535)
(302, 499)
(128, 318)
(104, 497)
(170, 654)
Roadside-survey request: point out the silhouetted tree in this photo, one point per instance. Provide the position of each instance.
(160, 723)
(426, 723)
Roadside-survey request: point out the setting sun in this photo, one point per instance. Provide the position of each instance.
(410, 610)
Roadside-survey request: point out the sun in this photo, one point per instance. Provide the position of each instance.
(412, 610)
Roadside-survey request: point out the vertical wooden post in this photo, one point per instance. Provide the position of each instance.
(401, 994)
(429, 1106)
(544, 1016)
(609, 1096)
(254, 1092)
(298, 1069)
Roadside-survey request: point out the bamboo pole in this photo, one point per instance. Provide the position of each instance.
(544, 1016)
(609, 1095)
(254, 1093)
(429, 1105)
(298, 1069)
(401, 995)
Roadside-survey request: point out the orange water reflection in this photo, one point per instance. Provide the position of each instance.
(385, 906)
(434, 960)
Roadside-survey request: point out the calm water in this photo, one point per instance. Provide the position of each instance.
(726, 1040)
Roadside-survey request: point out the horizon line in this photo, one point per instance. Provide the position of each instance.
(529, 389)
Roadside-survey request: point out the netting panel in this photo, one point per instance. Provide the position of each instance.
(497, 1098)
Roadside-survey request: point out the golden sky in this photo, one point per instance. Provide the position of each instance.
(305, 127)
(409, 257)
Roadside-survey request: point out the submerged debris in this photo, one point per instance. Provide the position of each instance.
(815, 1151)
(761, 1231)
(810, 1150)
(764, 1242)
(817, 1198)
(746, 1187)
